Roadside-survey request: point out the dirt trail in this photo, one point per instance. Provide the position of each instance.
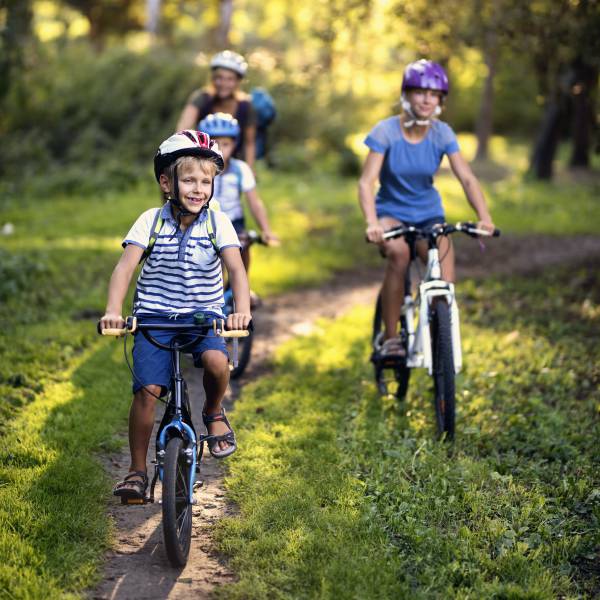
(137, 567)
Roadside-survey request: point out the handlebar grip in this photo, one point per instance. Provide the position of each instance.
(496, 233)
(130, 327)
(235, 333)
(115, 332)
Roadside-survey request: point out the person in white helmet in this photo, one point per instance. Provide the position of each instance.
(182, 245)
(224, 95)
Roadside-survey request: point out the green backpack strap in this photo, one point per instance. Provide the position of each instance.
(154, 231)
(211, 228)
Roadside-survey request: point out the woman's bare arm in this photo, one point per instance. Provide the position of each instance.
(470, 184)
(366, 194)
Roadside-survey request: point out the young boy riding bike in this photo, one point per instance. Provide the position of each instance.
(236, 179)
(181, 276)
(405, 152)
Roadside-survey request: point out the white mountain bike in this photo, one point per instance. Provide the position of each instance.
(429, 325)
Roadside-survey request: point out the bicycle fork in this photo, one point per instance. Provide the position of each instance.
(419, 341)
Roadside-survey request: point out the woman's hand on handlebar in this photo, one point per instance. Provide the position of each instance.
(270, 238)
(374, 233)
(238, 321)
(486, 225)
(112, 321)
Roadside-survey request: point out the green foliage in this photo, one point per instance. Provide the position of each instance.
(89, 122)
(341, 489)
(55, 271)
(52, 488)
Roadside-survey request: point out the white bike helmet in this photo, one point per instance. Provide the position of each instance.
(230, 60)
(186, 143)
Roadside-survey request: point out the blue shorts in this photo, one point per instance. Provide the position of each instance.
(153, 366)
(239, 225)
(420, 224)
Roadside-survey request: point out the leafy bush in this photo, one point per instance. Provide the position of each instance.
(84, 120)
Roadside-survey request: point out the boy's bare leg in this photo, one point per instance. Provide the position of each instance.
(141, 422)
(216, 378)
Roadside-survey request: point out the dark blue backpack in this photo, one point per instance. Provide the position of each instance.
(264, 107)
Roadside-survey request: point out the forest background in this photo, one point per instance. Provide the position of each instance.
(90, 87)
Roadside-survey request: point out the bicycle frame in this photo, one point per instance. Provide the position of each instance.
(178, 426)
(431, 287)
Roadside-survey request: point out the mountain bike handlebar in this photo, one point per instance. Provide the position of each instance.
(217, 326)
(438, 230)
(253, 237)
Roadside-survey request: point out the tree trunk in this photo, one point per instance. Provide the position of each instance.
(483, 127)
(547, 141)
(13, 37)
(152, 16)
(225, 15)
(585, 82)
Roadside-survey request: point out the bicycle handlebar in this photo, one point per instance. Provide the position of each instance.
(437, 230)
(217, 326)
(253, 237)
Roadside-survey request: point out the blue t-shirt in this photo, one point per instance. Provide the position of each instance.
(407, 192)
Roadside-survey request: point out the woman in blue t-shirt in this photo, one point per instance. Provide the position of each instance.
(405, 152)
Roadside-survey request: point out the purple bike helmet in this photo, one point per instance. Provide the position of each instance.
(426, 75)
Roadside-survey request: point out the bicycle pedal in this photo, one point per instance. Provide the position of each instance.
(198, 485)
(133, 501)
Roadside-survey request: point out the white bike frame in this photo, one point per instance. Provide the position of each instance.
(418, 311)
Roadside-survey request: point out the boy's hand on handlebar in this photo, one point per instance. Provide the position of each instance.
(111, 321)
(238, 321)
(374, 233)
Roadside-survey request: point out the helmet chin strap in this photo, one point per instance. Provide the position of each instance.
(413, 119)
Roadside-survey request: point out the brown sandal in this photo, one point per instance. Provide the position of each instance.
(213, 440)
(130, 488)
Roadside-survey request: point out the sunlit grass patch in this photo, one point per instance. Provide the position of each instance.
(335, 484)
(52, 488)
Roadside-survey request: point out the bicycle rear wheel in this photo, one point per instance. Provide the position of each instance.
(443, 369)
(401, 371)
(176, 507)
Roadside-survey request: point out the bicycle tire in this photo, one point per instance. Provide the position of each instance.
(402, 372)
(176, 508)
(244, 351)
(443, 369)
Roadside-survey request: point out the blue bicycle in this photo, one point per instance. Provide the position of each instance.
(179, 449)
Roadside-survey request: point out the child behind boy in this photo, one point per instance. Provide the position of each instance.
(181, 276)
(236, 178)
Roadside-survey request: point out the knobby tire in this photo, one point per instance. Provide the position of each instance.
(443, 369)
(176, 509)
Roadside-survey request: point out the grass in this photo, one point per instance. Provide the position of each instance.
(53, 275)
(343, 494)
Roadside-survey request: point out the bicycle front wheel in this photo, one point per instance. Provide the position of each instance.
(176, 507)
(443, 369)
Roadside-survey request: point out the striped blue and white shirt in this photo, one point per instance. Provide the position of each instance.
(183, 273)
